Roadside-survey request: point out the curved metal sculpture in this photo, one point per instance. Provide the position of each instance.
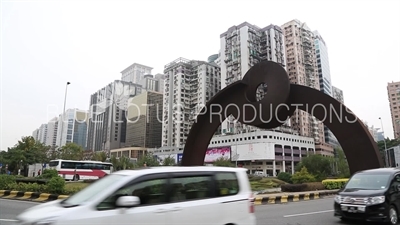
(280, 102)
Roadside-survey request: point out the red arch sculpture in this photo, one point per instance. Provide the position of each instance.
(279, 103)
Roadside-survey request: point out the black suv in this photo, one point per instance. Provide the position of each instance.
(370, 195)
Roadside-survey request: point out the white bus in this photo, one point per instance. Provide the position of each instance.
(81, 170)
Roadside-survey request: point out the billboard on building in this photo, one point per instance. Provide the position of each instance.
(256, 151)
(213, 154)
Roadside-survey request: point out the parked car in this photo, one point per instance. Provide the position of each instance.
(370, 195)
(160, 195)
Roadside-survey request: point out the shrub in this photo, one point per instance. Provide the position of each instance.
(49, 173)
(56, 185)
(30, 180)
(254, 178)
(28, 187)
(331, 184)
(71, 190)
(314, 186)
(287, 177)
(293, 187)
(6, 181)
(302, 177)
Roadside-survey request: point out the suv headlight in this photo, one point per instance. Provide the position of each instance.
(375, 200)
(338, 199)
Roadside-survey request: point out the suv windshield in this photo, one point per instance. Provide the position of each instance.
(92, 190)
(368, 181)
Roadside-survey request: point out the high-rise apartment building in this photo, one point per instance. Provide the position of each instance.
(393, 90)
(107, 115)
(242, 47)
(135, 73)
(153, 83)
(72, 128)
(189, 85)
(302, 67)
(35, 134)
(325, 82)
(337, 94)
(324, 73)
(144, 120)
(42, 134)
(52, 127)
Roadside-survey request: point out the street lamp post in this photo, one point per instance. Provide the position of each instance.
(62, 117)
(384, 141)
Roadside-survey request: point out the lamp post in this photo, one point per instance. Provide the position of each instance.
(62, 117)
(384, 141)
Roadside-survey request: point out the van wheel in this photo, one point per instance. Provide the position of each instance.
(75, 178)
(393, 216)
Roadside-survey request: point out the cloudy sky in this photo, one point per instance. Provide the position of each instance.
(44, 44)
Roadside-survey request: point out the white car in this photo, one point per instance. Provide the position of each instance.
(157, 196)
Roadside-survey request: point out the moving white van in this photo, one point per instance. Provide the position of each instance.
(159, 195)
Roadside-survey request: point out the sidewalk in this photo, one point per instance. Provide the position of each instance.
(286, 197)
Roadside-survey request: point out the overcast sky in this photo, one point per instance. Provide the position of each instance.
(88, 43)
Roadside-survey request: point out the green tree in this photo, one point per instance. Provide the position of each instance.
(169, 161)
(224, 162)
(26, 152)
(342, 164)
(99, 156)
(302, 176)
(125, 163)
(71, 151)
(148, 159)
(317, 165)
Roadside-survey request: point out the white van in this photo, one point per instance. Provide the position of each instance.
(160, 195)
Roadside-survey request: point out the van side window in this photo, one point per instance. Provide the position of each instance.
(227, 184)
(190, 188)
(150, 192)
(396, 183)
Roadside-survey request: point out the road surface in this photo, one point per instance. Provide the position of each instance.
(315, 212)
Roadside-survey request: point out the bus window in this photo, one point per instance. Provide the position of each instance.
(54, 163)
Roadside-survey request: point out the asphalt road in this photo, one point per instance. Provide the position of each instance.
(315, 212)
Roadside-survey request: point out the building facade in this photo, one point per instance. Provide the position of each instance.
(337, 94)
(135, 73)
(302, 67)
(393, 90)
(52, 129)
(42, 134)
(144, 120)
(107, 115)
(72, 128)
(153, 83)
(241, 47)
(189, 84)
(325, 82)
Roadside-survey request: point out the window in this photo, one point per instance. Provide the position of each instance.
(150, 192)
(227, 184)
(190, 188)
(53, 163)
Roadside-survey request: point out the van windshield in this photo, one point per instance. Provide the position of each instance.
(92, 190)
(368, 181)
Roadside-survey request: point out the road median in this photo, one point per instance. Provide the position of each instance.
(259, 200)
(285, 198)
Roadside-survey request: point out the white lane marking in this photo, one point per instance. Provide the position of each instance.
(310, 213)
(8, 220)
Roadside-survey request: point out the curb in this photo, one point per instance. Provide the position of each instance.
(282, 199)
(30, 196)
